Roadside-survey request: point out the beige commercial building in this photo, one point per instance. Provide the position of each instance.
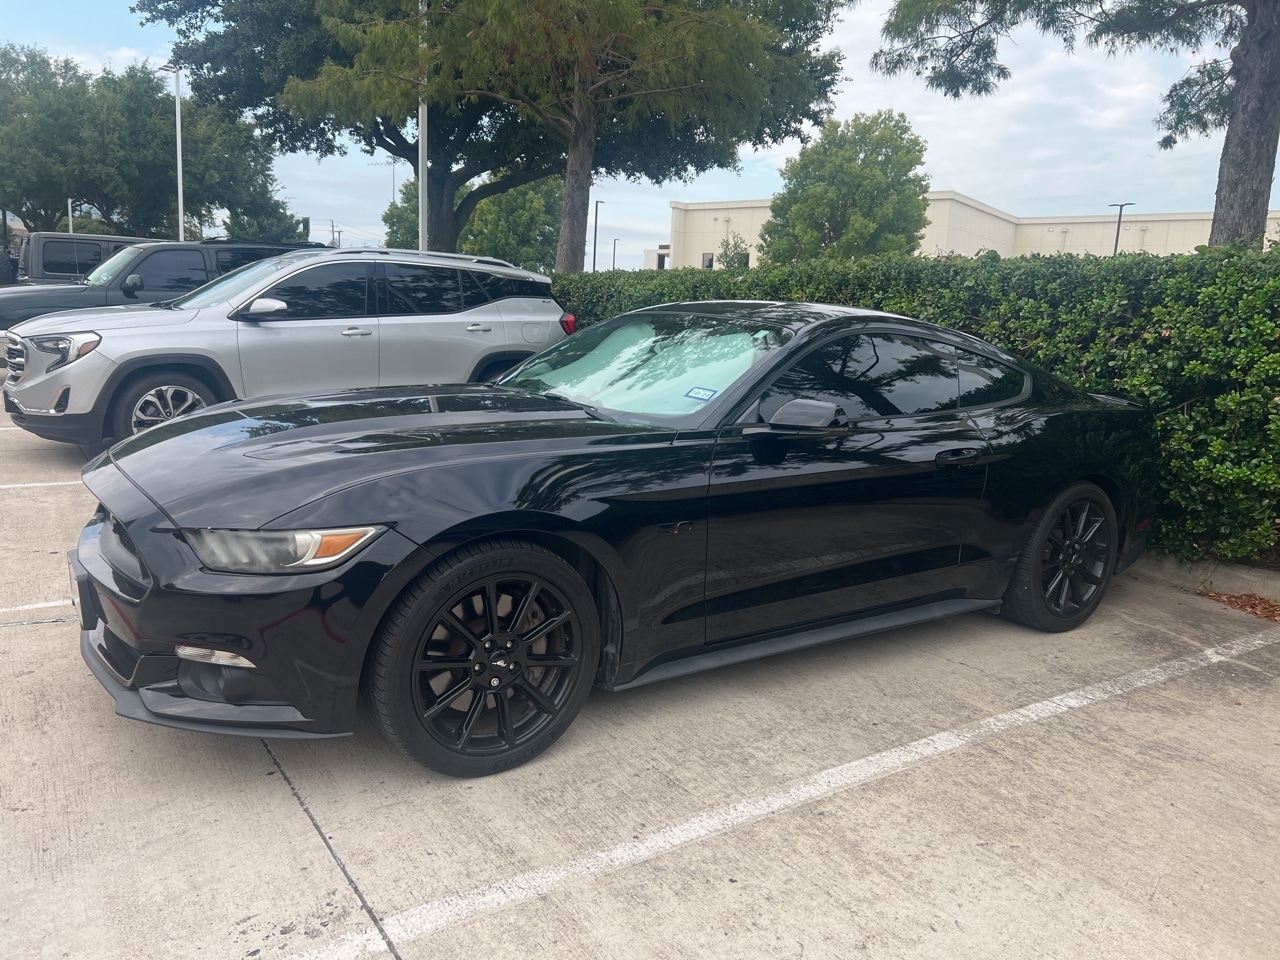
(957, 224)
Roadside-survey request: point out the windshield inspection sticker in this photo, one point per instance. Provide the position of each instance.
(701, 393)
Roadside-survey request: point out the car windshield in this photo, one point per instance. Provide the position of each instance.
(664, 366)
(229, 286)
(112, 266)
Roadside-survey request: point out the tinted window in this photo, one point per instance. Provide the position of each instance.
(473, 294)
(330, 290)
(870, 376)
(416, 290)
(985, 381)
(500, 287)
(72, 257)
(172, 271)
(238, 256)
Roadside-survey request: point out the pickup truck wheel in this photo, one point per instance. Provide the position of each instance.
(156, 398)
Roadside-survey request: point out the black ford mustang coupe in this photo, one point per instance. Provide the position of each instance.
(680, 487)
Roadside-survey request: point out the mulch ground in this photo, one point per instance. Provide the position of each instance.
(1249, 603)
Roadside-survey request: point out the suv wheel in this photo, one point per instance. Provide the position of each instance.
(153, 399)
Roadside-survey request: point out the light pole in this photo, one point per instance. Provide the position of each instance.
(1119, 217)
(424, 193)
(595, 237)
(177, 115)
(615, 253)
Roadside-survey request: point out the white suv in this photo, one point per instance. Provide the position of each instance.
(302, 322)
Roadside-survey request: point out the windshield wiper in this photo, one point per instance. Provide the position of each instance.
(585, 407)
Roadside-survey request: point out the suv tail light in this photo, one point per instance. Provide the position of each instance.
(568, 323)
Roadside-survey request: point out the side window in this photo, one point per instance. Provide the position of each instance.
(235, 257)
(72, 257)
(172, 271)
(984, 381)
(871, 375)
(327, 291)
(413, 290)
(473, 294)
(498, 287)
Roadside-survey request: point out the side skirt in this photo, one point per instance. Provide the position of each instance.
(754, 650)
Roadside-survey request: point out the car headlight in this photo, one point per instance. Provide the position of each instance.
(278, 551)
(65, 347)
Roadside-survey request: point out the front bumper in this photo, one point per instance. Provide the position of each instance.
(160, 688)
(85, 429)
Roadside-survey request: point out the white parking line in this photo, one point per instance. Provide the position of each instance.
(51, 483)
(420, 921)
(35, 606)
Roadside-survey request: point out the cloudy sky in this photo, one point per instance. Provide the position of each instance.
(1067, 135)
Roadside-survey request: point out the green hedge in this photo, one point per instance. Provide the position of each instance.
(1196, 336)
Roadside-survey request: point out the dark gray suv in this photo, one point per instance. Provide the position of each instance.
(139, 273)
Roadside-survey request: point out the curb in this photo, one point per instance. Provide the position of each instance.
(1229, 578)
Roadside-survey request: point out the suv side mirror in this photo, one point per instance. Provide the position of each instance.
(264, 305)
(132, 284)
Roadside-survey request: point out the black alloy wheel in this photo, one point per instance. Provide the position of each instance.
(486, 659)
(1065, 568)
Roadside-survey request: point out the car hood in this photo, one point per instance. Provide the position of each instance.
(101, 319)
(241, 465)
(34, 299)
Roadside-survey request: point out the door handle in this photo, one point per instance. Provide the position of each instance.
(357, 332)
(958, 457)
(478, 328)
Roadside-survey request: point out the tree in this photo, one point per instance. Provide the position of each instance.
(520, 225)
(582, 68)
(954, 46)
(360, 69)
(401, 218)
(734, 253)
(108, 143)
(855, 192)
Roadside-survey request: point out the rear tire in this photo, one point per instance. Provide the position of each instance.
(1065, 568)
(485, 659)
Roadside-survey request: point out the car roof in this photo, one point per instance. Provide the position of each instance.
(442, 259)
(802, 316)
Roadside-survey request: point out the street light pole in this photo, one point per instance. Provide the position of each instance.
(177, 119)
(615, 253)
(595, 237)
(1119, 217)
(424, 194)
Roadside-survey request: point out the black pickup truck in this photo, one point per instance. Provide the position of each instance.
(139, 273)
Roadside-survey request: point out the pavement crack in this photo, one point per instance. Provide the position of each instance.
(351, 881)
(32, 623)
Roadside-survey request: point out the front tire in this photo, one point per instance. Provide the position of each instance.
(485, 659)
(1065, 568)
(156, 398)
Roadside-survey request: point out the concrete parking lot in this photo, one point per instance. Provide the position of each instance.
(962, 789)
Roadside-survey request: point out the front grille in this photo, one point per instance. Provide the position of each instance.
(15, 355)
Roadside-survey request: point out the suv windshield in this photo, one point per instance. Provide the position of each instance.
(663, 366)
(230, 285)
(112, 267)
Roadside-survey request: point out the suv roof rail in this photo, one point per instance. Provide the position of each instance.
(439, 254)
(291, 244)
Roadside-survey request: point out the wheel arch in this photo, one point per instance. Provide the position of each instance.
(566, 545)
(495, 363)
(202, 368)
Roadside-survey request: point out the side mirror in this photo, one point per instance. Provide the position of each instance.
(264, 306)
(801, 417)
(132, 284)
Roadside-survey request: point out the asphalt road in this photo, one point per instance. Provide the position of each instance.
(962, 789)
